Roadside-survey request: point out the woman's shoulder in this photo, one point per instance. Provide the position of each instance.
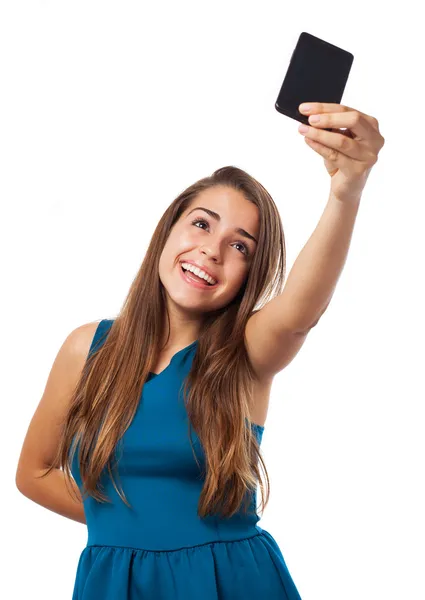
(81, 338)
(88, 337)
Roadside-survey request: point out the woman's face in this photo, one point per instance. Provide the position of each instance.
(215, 245)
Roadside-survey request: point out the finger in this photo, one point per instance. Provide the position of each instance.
(333, 157)
(353, 120)
(326, 107)
(337, 142)
(312, 108)
(345, 132)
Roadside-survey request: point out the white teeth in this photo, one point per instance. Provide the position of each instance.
(199, 273)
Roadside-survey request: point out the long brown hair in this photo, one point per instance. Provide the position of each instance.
(218, 396)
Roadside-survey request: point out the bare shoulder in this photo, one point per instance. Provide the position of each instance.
(80, 339)
(74, 350)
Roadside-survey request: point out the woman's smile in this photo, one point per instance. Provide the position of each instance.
(194, 280)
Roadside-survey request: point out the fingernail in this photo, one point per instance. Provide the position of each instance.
(305, 107)
(314, 119)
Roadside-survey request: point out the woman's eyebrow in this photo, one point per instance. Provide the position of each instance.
(217, 217)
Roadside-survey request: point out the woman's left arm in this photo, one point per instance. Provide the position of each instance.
(275, 333)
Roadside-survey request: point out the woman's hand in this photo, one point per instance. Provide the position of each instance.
(349, 155)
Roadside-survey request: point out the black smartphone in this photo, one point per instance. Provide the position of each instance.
(317, 72)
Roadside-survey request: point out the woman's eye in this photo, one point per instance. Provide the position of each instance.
(245, 248)
(199, 221)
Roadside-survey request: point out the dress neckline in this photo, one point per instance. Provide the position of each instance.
(153, 375)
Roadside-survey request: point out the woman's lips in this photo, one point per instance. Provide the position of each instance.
(200, 286)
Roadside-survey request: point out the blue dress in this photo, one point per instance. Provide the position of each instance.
(160, 549)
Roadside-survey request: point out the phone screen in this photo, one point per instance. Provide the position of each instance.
(318, 72)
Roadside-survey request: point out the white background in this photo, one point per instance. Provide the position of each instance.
(110, 110)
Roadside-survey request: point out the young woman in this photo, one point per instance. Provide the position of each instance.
(158, 414)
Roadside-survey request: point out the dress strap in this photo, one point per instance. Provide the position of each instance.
(100, 335)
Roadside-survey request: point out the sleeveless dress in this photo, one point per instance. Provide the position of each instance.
(160, 549)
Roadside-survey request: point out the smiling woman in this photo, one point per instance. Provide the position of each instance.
(168, 400)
